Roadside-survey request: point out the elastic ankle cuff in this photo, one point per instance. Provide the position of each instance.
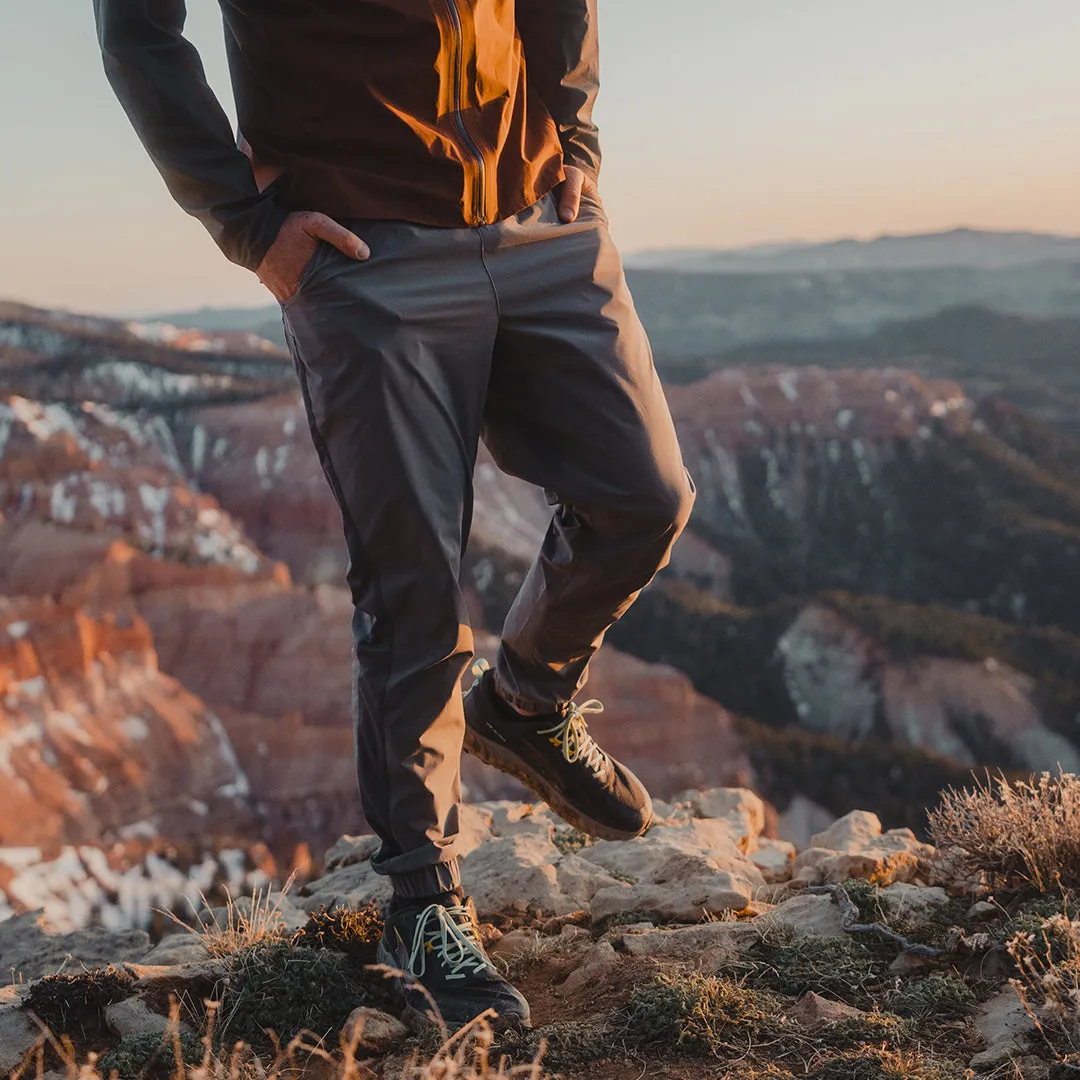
(520, 705)
(427, 881)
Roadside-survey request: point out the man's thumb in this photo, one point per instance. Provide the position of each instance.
(348, 243)
(571, 195)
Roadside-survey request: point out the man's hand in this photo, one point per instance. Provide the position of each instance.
(570, 192)
(281, 269)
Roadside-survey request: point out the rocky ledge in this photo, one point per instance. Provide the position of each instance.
(864, 944)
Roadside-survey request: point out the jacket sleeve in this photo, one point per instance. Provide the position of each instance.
(159, 79)
(562, 57)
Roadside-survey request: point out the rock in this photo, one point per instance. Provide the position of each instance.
(158, 976)
(375, 1032)
(812, 1011)
(184, 948)
(133, 1016)
(1034, 1068)
(30, 949)
(596, 963)
(913, 903)
(707, 946)
(350, 850)
(570, 932)
(741, 810)
(806, 914)
(801, 820)
(352, 886)
(907, 963)
(103, 744)
(637, 927)
(683, 889)
(853, 832)
(983, 909)
(516, 868)
(18, 1035)
(1007, 1028)
(774, 858)
(517, 943)
(855, 847)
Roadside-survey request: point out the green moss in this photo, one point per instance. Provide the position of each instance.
(570, 841)
(288, 990)
(793, 963)
(150, 1057)
(942, 994)
(699, 1011)
(74, 1005)
(569, 1045)
(867, 898)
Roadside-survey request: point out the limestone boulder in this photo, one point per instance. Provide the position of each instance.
(806, 914)
(814, 1011)
(373, 1031)
(856, 847)
(1006, 1027)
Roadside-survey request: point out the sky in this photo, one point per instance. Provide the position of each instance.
(724, 123)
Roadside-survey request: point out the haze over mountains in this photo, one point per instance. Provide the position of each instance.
(698, 306)
(925, 251)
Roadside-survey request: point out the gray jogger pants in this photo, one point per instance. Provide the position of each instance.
(523, 333)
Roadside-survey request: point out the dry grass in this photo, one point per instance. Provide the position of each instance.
(1016, 832)
(1049, 983)
(467, 1055)
(248, 921)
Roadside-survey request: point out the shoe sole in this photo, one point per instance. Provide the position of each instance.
(420, 1023)
(499, 757)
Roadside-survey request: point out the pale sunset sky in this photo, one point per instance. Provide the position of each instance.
(724, 122)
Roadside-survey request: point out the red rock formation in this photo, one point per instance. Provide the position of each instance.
(97, 744)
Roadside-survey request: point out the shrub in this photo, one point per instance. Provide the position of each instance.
(152, 1057)
(942, 993)
(1015, 831)
(1048, 982)
(793, 963)
(703, 1011)
(288, 990)
(75, 1004)
(353, 932)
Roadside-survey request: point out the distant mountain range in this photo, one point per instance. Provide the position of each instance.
(974, 248)
(697, 306)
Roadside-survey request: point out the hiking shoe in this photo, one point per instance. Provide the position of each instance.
(554, 755)
(438, 949)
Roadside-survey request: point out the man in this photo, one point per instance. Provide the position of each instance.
(417, 188)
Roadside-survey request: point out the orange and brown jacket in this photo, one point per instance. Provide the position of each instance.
(440, 112)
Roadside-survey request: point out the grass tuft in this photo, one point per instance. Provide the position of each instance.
(1015, 831)
(288, 990)
(792, 963)
(75, 1004)
(702, 1011)
(355, 933)
(943, 994)
(150, 1057)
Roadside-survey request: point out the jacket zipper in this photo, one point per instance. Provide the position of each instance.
(479, 193)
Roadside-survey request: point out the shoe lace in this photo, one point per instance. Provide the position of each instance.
(448, 932)
(571, 735)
